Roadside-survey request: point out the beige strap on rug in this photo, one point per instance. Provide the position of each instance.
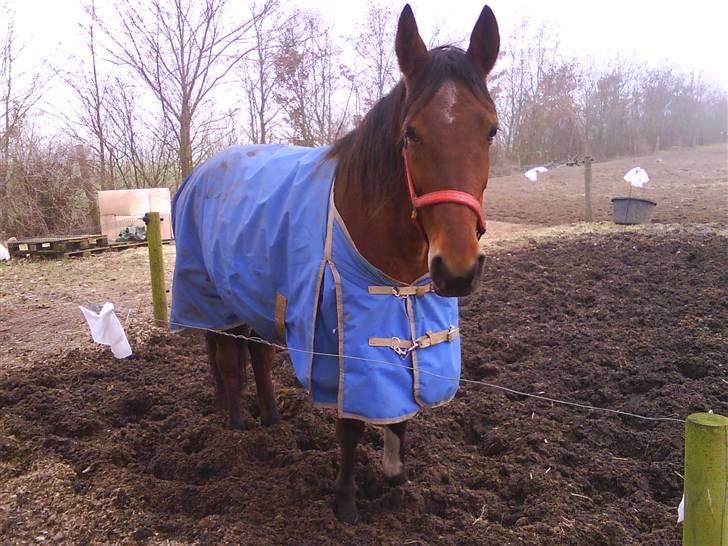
(402, 291)
(280, 316)
(422, 342)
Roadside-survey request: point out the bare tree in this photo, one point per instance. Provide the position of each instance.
(20, 91)
(89, 125)
(511, 86)
(308, 78)
(182, 50)
(258, 73)
(374, 45)
(141, 152)
(91, 90)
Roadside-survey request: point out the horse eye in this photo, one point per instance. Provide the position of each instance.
(493, 132)
(410, 134)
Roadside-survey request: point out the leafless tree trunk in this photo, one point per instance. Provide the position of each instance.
(94, 101)
(90, 125)
(88, 186)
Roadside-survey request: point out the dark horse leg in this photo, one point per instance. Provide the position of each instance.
(211, 341)
(261, 356)
(393, 459)
(226, 356)
(348, 433)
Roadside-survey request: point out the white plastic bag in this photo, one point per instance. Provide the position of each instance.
(637, 177)
(107, 330)
(4, 254)
(532, 174)
(681, 511)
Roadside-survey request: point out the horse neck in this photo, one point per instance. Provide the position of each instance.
(382, 227)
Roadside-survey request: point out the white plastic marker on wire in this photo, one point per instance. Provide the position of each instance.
(532, 174)
(107, 330)
(432, 374)
(681, 510)
(637, 177)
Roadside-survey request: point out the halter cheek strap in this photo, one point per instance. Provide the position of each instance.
(442, 196)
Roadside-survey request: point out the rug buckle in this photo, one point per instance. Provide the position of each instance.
(397, 347)
(398, 294)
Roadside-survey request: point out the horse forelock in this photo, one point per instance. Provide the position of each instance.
(446, 65)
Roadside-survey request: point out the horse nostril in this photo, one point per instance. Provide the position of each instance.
(437, 267)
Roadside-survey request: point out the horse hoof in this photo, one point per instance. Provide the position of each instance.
(396, 480)
(346, 510)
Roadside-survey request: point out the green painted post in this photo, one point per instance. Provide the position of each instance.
(156, 266)
(706, 480)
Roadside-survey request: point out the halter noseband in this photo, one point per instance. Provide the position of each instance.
(442, 196)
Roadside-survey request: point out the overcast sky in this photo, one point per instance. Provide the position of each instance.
(691, 35)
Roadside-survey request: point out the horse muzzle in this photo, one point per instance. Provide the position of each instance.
(455, 283)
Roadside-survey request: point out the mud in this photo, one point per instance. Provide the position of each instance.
(97, 450)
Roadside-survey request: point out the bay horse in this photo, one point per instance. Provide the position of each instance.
(409, 185)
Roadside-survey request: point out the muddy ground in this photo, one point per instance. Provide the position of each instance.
(97, 450)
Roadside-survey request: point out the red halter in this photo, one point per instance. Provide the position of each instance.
(443, 196)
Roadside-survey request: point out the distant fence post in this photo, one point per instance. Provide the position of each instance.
(706, 480)
(156, 265)
(587, 188)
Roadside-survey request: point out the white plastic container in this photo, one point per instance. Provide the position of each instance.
(123, 208)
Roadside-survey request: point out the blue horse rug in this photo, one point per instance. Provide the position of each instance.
(259, 242)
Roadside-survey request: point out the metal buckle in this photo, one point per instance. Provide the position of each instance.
(403, 353)
(395, 291)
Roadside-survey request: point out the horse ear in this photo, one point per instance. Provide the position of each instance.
(411, 50)
(485, 41)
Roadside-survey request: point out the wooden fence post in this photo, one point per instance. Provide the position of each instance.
(706, 480)
(156, 266)
(587, 188)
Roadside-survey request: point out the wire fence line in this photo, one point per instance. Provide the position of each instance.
(130, 313)
(255, 339)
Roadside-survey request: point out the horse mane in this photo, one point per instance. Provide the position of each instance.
(370, 154)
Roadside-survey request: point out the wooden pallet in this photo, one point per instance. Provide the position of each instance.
(56, 247)
(123, 245)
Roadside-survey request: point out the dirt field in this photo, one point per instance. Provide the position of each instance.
(98, 450)
(689, 185)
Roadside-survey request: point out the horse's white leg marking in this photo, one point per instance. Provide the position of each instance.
(390, 461)
(448, 96)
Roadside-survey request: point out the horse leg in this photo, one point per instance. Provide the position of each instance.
(393, 459)
(229, 359)
(261, 356)
(211, 342)
(348, 433)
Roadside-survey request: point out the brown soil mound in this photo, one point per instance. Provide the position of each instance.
(97, 450)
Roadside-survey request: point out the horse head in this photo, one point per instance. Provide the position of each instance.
(447, 126)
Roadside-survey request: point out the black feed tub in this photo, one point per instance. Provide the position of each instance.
(632, 210)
